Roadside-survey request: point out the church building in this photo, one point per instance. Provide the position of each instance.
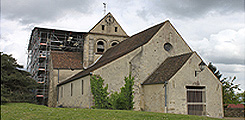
(169, 76)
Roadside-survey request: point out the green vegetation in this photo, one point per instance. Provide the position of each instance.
(16, 85)
(121, 101)
(229, 87)
(99, 92)
(124, 99)
(25, 111)
(229, 95)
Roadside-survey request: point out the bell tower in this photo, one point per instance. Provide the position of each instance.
(105, 34)
(108, 25)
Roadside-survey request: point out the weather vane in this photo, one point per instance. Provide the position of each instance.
(104, 8)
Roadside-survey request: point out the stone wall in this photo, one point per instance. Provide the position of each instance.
(143, 61)
(177, 92)
(76, 94)
(153, 98)
(90, 54)
(56, 76)
(234, 112)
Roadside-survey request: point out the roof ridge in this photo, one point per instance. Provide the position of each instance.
(120, 50)
(99, 21)
(164, 68)
(131, 39)
(181, 55)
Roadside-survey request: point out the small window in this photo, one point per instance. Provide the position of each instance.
(71, 88)
(103, 27)
(168, 46)
(82, 87)
(115, 29)
(100, 47)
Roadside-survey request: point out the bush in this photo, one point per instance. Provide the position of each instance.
(100, 94)
(121, 101)
(124, 100)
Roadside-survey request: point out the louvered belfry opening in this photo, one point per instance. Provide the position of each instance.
(100, 47)
(196, 100)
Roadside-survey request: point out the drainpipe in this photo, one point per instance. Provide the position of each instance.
(165, 85)
(57, 96)
(90, 92)
(58, 75)
(57, 89)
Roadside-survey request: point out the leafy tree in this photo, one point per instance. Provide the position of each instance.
(99, 92)
(229, 95)
(127, 93)
(241, 97)
(124, 99)
(16, 85)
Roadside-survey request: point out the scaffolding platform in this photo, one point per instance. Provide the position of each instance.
(42, 42)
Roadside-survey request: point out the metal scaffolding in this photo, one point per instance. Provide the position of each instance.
(41, 43)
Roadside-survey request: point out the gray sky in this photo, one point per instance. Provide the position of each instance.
(213, 28)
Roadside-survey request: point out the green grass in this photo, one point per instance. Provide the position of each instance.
(25, 111)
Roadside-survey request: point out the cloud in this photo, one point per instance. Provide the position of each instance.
(231, 71)
(191, 8)
(225, 50)
(38, 11)
(213, 28)
(225, 47)
(14, 40)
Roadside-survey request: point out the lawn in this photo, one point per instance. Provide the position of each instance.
(25, 111)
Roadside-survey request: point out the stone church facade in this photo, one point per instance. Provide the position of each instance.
(104, 35)
(169, 76)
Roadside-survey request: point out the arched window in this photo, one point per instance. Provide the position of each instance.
(114, 44)
(100, 47)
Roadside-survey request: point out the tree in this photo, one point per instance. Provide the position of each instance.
(241, 97)
(124, 99)
(126, 95)
(229, 95)
(16, 85)
(121, 101)
(99, 92)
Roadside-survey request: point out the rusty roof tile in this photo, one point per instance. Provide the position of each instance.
(66, 60)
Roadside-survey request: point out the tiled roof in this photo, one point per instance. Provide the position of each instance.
(167, 69)
(120, 50)
(66, 60)
(235, 106)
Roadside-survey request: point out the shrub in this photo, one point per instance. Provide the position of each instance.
(99, 92)
(121, 101)
(124, 99)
